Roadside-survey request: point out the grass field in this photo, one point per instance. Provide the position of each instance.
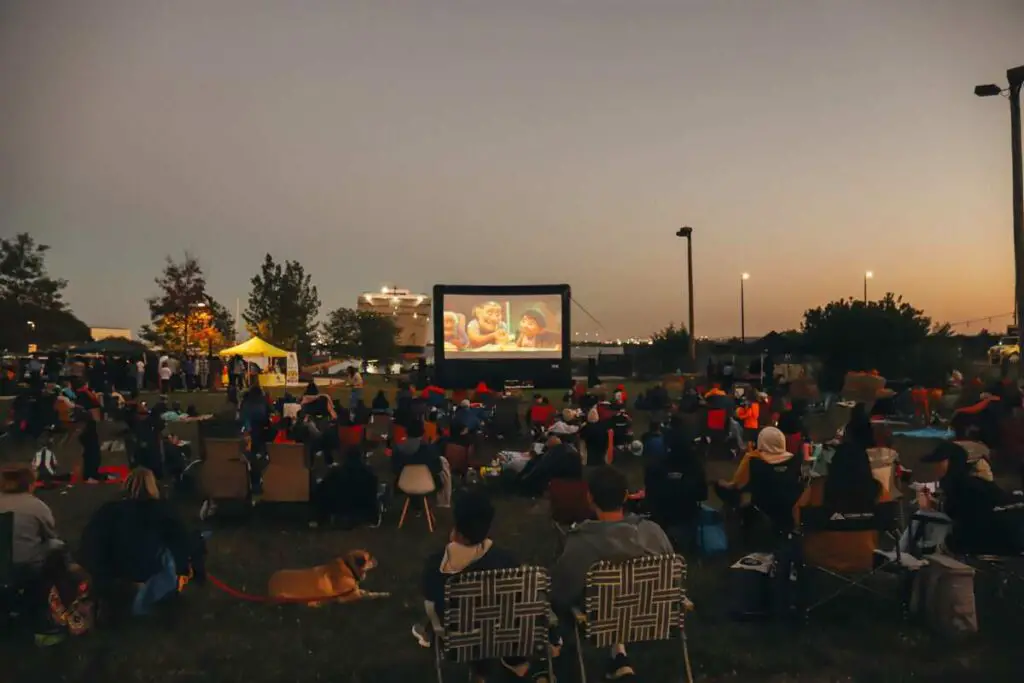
(209, 636)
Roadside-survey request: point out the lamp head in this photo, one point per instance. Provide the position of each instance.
(869, 275)
(990, 90)
(684, 232)
(745, 276)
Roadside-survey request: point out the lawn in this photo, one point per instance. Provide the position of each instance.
(210, 636)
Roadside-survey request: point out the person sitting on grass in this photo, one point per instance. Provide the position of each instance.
(469, 549)
(556, 460)
(615, 537)
(141, 540)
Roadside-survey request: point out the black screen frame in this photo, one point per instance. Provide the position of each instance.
(464, 373)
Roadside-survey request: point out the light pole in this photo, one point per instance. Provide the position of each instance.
(743, 308)
(687, 232)
(867, 276)
(188, 316)
(32, 332)
(1015, 78)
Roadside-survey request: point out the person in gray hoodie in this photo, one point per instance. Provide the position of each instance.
(615, 537)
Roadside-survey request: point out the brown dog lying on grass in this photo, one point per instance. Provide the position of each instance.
(336, 581)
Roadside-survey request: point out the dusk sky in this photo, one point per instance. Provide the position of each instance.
(420, 142)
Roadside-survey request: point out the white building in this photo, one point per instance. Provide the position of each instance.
(410, 311)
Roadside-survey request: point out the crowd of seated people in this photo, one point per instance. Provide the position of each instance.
(613, 535)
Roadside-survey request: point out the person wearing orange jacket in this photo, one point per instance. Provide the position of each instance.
(749, 415)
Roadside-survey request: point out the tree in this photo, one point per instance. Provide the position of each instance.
(183, 317)
(283, 304)
(361, 334)
(885, 335)
(23, 277)
(669, 349)
(31, 306)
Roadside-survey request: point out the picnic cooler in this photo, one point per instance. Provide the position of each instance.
(944, 596)
(750, 586)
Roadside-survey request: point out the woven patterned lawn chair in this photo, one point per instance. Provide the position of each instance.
(639, 600)
(494, 614)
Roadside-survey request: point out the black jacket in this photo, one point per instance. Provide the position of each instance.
(560, 462)
(125, 538)
(674, 491)
(986, 519)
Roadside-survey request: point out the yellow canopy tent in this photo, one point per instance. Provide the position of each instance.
(255, 347)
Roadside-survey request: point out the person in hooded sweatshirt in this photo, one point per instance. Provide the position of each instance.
(771, 448)
(614, 536)
(469, 549)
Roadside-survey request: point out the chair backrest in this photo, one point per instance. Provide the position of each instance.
(569, 501)
(430, 431)
(398, 434)
(883, 517)
(495, 614)
(379, 427)
(287, 455)
(222, 450)
(6, 548)
(716, 420)
(457, 457)
(635, 601)
(350, 435)
(416, 480)
(776, 488)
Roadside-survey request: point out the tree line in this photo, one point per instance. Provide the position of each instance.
(889, 334)
(282, 308)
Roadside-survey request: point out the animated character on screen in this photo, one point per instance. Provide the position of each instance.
(489, 325)
(533, 332)
(455, 330)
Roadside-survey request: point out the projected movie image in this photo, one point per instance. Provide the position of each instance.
(527, 326)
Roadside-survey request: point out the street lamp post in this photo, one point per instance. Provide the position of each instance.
(32, 331)
(743, 308)
(867, 276)
(687, 232)
(188, 316)
(1015, 78)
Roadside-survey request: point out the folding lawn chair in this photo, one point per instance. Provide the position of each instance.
(884, 519)
(494, 614)
(639, 600)
(225, 474)
(286, 478)
(570, 505)
(1007, 570)
(458, 458)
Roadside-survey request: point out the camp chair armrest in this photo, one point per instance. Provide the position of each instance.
(436, 625)
(579, 616)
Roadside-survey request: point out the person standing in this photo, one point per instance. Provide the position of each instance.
(165, 378)
(190, 373)
(140, 374)
(203, 368)
(355, 381)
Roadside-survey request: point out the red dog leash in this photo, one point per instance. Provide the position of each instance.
(249, 597)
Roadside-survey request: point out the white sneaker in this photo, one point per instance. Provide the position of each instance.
(420, 634)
